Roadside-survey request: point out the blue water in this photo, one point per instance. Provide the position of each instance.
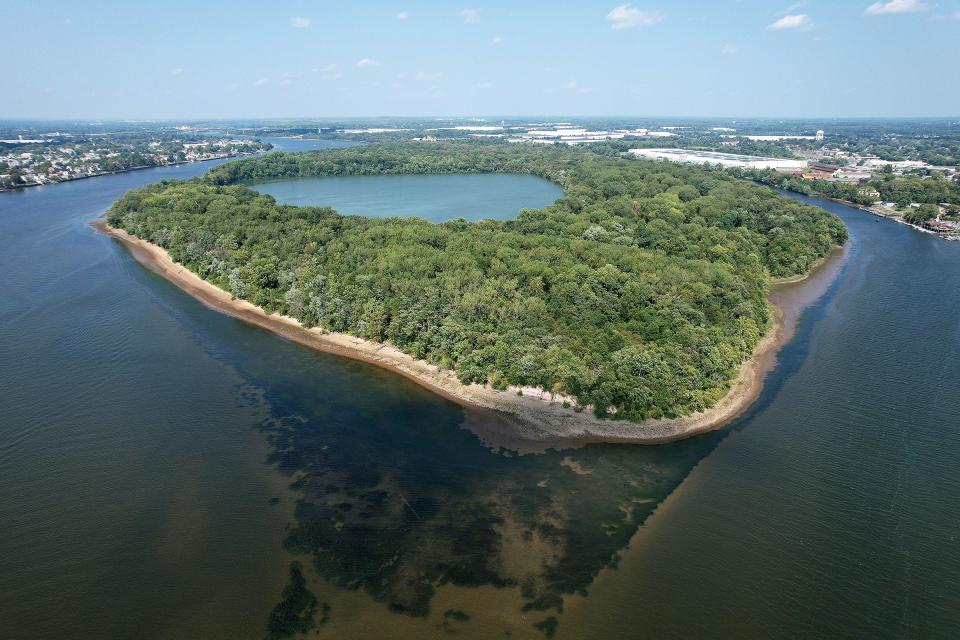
(436, 198)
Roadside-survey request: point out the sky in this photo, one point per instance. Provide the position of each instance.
(319, 58)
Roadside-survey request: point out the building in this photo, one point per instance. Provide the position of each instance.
(726, 159)
(766, 138)
(567, 134)
(852, 175)
(820, 135)
(21, 140)
(821, 171)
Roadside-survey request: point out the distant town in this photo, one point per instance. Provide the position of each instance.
(57, 156)
(942, 218)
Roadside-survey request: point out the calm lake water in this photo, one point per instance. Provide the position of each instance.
(161, 465)
(436, 198)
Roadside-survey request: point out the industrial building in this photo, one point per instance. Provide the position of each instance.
(567, 134)
(725, 159)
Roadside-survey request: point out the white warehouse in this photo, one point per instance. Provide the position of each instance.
(725, 159)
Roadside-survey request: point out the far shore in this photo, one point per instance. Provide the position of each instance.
(19, 187)
(871, 209)
(523, 419)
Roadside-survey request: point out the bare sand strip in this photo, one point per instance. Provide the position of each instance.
(531, 420)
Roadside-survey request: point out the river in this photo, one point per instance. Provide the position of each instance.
(162, 464)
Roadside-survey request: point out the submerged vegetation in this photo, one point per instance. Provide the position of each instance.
(296, 613)
(409, 504)
(639, 292)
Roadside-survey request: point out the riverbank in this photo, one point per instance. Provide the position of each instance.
(524, 418)
(878, 211)
(130, 169)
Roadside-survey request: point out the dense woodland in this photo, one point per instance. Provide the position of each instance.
(641, 290)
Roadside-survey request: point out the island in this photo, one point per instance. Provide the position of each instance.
(634, 308)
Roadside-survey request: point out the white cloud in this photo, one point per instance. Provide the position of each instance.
(627, 16)
(947, 16)
(176, 71)
(261, 82)
(728, 49)
(895, 6)
(798, 21)
(483, 85)
(423, 75)
(367, 62)
(470, 16)
(403, 15)
(329, 71)
(298, 22)
(575, 86)
(497, 40)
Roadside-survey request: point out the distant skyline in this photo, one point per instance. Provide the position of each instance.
(734, 58)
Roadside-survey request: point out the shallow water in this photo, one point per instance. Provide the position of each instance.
(436, 198)
(143, 438)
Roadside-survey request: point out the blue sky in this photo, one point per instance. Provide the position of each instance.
(364, 58)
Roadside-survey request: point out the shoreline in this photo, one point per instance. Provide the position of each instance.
(898, 219)
(127, 170)
(880, 214)
(536, 420)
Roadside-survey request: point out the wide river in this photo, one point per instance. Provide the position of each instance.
(161, 464)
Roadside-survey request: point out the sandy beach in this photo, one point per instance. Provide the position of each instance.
(532, 419)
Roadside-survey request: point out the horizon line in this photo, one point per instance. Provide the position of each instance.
(454, 117)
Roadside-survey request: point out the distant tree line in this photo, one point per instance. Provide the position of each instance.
(902, 190)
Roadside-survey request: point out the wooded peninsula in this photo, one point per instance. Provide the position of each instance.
(639, 293)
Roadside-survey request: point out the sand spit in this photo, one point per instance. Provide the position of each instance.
(529, 421)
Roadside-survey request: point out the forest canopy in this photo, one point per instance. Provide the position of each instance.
(641, 290)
